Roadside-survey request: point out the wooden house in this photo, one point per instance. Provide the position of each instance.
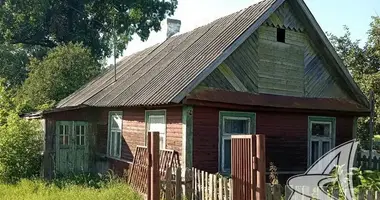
(266, 69)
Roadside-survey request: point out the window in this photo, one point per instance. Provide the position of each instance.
(232, 123)
(321, 136)
(64, 134)
(156, 122)
(281, 35)
(80, 133)
(115, 122)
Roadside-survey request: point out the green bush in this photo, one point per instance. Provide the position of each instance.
(20, 149)
(20, 141)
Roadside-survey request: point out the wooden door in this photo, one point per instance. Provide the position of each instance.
(72, 147)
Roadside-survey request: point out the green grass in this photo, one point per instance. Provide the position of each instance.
(40, 190)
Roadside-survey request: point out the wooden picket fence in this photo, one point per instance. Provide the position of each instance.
(362, 162)
(195, 184)
(201, 185)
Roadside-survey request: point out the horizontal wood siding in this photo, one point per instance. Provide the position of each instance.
(133, 131)
(286, 137)
(281, 68)
(174, 129)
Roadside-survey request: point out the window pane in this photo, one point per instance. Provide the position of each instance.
(113, 143)
(61, 129)
(162, 141)
(227, 155)
(118, 145)
(116, 121)
(66, 142)
(67, 130)
(314, 151)
(157, 123)
(82, 140)
(239, 126)
(320, 129)
(82, 130)
(77, 130)
(325, 147)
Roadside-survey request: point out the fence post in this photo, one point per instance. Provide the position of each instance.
(153, 174)
(260, 154)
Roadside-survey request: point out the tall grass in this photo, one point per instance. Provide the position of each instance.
(68, 189)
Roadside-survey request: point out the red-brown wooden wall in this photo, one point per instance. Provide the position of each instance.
(133, 130)
(286, 137)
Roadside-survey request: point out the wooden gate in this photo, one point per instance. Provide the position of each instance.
(139, 171)
(71, 147)
(248, 167)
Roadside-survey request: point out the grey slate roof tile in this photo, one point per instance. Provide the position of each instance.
(159, 73)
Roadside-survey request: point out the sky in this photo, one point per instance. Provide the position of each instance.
(330, 14)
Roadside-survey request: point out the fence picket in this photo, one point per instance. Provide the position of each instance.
(231, 189)
(269, 192)
(371, 195)
(361, 194)
(199, 195)
(210, 192)
(189, 184)
(168, 187)
(220, 188)
(276, 192)
(178, 184)
(203, 185)
(225, 186)
(215, 187)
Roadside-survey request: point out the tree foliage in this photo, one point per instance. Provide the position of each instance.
(13, 62)
(20, 141)
(364, 65)
(49, 23)
(60, 73)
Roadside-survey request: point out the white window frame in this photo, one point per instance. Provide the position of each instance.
(149, 113)
(223, 136)
(111, 148)
(320, 139)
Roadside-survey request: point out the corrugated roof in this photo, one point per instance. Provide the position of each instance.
(277, 101)
(158, 74)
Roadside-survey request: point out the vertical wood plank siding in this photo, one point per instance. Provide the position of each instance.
(286, 137)
(133, 131)
(205, 138)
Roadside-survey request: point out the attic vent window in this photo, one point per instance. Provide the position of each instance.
(281, 35)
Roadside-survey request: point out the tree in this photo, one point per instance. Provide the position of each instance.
(364, 65)
(49, 23)
(13, 61)
(60, 73)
